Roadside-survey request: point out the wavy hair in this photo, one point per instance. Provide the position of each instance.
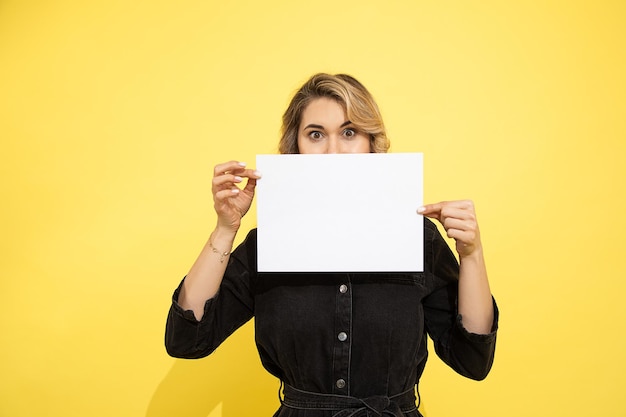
(357, 102)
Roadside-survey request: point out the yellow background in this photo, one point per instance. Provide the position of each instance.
(113, 113)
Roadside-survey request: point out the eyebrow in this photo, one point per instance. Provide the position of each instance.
(314, 126)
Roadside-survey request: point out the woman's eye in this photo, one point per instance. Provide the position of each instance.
(315, 135)
(349, 133)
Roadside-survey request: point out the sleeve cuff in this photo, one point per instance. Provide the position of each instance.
(188, 314)
(476, 337)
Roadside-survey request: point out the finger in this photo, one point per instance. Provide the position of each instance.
(431, 210)
(440, 209)
(462, 204)
(239, 172)
(250, 185)
(450, 225)
(457, 213)
(250, 173)
(223, 195)
(226, 180)
(462, 236)
(230, 166)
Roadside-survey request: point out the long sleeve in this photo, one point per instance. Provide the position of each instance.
(469, 354)
(186, 337)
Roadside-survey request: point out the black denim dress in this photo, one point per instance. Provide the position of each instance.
(345, 344)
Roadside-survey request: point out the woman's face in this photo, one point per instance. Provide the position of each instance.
(324, 128)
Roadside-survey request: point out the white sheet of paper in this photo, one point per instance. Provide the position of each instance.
(340, 213)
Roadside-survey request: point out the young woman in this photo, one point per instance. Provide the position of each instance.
(343, 344)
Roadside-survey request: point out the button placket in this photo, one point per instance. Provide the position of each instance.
(342, 348)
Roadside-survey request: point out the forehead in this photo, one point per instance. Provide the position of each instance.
(323, 111)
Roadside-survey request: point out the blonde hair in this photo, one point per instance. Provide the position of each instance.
(357, 102)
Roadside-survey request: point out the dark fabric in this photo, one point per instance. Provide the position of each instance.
(345, 406)
(366, 341)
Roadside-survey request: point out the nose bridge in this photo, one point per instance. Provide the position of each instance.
(333, 144)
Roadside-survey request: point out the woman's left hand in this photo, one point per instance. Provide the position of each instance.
(459, 220)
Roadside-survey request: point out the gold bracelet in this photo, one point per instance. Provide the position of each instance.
(222, 255)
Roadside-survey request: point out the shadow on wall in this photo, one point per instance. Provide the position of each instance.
(232, 376)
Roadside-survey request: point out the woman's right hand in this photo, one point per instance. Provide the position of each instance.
(232, 203)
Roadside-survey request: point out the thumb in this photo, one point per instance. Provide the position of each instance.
(430, 210)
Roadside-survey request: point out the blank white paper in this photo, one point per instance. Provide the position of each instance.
(340, 213)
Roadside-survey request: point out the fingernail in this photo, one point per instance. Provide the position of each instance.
(238, 179)
(257, 173)
(235, 190)
(421, 209)
(241, 164)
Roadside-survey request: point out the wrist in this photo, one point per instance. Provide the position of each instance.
(226, 228)
(221, 242)
(474, 256)
(223, 235)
